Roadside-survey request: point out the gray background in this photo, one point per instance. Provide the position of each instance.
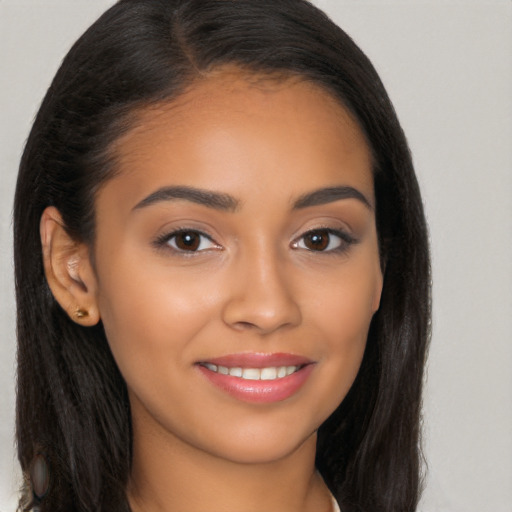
(448, 69)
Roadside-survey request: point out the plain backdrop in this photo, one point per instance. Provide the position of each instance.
(448, 69)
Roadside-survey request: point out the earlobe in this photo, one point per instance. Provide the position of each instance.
(68, 270)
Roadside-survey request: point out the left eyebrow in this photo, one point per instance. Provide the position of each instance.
(208, 198)
(329, 195)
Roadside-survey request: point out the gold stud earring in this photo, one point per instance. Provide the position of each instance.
(81, 313)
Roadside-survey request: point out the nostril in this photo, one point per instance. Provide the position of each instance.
(245, 325)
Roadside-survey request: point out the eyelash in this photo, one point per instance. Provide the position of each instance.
(345, 241)
(164, 240)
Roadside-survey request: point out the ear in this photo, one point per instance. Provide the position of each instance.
(68, 270)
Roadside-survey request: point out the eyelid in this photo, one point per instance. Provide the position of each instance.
(346, 239)
(162, 241)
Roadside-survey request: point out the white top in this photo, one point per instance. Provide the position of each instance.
(335, 506)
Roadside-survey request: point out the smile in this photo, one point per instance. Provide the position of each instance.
(257, 378)
(270, 373)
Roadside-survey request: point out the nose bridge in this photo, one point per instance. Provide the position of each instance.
(262, 297)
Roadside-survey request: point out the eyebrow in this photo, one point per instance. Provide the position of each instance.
(226, 202)
(329, 195)
(215, 200)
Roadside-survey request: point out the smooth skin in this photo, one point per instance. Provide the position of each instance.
(257, 269)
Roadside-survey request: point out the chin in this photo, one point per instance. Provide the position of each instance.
(262, 446)
(264, 452)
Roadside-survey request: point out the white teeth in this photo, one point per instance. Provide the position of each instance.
(251, 374)
(270, 373)
(235, 372)
(290, 369)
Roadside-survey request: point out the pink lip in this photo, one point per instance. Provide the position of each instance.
(259, 391)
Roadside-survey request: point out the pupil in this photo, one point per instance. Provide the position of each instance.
(317, 241)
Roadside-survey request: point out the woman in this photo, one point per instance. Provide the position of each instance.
(222, 270)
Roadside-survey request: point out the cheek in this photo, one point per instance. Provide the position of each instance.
(345, 308)
(151, 316)
(342, 317)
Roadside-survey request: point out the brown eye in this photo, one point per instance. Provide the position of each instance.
(189, 241)
(324, 240)
(317, 240)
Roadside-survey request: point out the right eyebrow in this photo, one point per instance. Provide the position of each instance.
(208, 198)
(329, 195)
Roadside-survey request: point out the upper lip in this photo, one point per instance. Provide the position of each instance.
(258, 360)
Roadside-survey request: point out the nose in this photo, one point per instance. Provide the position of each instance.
(261, 296)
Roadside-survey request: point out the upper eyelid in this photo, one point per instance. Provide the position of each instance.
(326, 221)
(332, 231)
(164, 238)
(344, 233)
(189, 230)
(168, 233)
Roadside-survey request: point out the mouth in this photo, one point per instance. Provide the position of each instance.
(258, 378)
(269, 373)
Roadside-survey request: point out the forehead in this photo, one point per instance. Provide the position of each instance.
(246, 124)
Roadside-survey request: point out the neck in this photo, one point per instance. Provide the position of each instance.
(169, 475)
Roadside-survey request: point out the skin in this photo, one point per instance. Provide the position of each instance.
(255, 285)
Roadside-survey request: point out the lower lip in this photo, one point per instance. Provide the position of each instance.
(259, 391)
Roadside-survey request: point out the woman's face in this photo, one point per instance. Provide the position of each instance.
(237, 265)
